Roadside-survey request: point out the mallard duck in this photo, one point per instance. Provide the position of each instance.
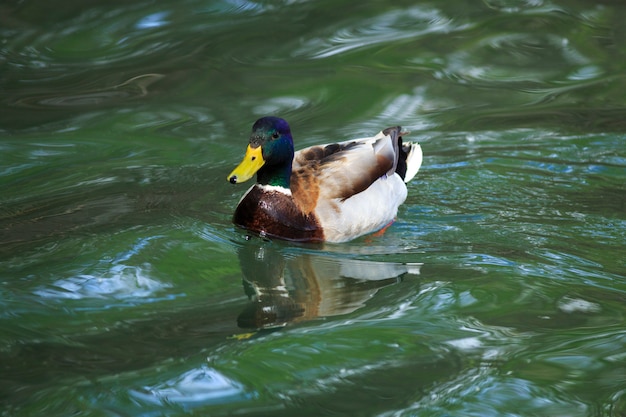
(326, 193)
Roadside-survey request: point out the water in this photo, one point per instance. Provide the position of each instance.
(125, 290)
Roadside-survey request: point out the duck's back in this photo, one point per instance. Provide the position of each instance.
(355, 187)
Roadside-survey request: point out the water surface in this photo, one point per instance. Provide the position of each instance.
(126, 290)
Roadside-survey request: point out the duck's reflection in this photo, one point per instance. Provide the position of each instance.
(289, 286)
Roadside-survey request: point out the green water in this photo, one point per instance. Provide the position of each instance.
(126, 291)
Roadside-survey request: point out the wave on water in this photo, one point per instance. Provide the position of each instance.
(197, 387)
(119, 281)
(388, 27)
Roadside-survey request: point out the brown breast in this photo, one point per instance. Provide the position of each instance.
(275, 214)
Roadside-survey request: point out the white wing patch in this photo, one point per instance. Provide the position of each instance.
(363, 213)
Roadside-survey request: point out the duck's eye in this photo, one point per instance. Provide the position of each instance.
(275, 135)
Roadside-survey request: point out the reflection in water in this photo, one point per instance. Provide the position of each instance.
(288, 287)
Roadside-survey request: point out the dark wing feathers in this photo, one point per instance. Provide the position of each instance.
(323, 153)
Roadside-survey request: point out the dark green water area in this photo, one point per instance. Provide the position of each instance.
(125, 290)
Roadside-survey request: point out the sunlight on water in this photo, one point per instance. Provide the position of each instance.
(194, 388)
(481, 399)
(118, 282)
(393, 26)
(122, 282)
(279, 105)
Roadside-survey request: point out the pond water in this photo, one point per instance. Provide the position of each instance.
(126, 291)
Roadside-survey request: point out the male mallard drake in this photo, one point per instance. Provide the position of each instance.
(332, 193)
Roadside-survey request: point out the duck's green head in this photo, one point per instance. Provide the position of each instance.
(269, 154)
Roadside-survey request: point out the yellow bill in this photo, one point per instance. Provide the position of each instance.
(252, 162)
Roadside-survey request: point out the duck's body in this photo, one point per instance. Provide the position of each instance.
(332, 193)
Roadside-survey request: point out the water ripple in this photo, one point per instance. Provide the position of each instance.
(483, 391)
(87, 96)
(153, 20)
(506, 53)
(395, 25)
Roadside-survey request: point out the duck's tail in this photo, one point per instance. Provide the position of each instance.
(408, 155)
(412, 153)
